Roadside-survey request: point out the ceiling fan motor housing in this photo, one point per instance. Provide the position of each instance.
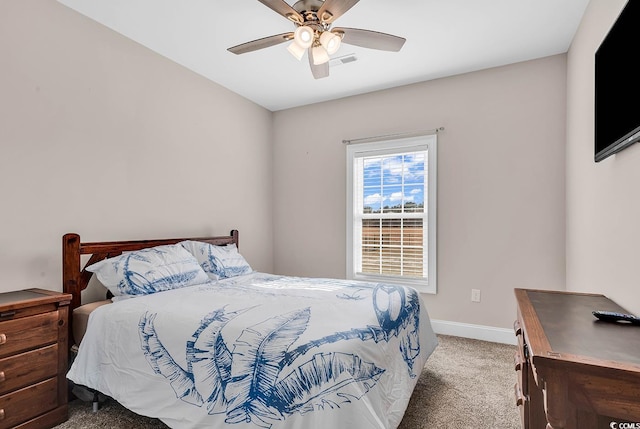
(308, 9)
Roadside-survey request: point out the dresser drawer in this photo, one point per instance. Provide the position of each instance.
(520, 362)
(521, 403)
(28, 333)
(27, 311)
(23, 369)
(24, 404)
(519, 365)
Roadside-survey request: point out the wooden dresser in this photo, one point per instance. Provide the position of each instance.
(33, 358)
(574, 371)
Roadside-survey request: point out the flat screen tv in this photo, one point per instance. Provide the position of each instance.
(617, 85)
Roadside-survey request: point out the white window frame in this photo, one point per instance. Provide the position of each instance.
(390, 147)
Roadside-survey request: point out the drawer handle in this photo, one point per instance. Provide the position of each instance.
(1, 413)
(7, 314)
(2, 377)
(516, 328)
(518, 394)
(3, 339)
(517, 359)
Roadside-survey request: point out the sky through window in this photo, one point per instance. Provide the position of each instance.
(394, 182)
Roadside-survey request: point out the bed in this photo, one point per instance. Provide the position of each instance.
(216, 344)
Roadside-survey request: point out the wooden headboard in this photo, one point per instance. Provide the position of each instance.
(75, 277)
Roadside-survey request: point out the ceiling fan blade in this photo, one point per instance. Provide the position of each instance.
(283, 8)
(319, 71)
(265, 42)
(371, 39)
(333, 9)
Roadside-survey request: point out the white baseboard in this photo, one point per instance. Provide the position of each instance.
(476, 332)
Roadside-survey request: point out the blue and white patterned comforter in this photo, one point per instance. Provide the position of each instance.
(261, 351)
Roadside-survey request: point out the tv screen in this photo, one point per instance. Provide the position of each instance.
(617, 85)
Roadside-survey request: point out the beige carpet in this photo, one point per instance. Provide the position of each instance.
(465, 384)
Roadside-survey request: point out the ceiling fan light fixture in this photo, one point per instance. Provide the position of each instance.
(304, 36)
(331, 42)
(320, 55)
(296, 50)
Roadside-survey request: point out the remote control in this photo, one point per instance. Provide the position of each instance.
(612, 316)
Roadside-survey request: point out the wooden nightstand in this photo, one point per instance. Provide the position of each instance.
(33, 358)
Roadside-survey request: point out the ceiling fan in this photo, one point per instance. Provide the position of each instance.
(313, 33)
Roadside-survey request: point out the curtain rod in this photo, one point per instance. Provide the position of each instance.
(393, 136)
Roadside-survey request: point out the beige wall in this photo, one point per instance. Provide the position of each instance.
(100, 136)
(603, 204)
(501, 195)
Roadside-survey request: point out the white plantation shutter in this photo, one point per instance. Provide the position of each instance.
(391, 219)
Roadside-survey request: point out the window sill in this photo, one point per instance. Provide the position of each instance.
(421, 286)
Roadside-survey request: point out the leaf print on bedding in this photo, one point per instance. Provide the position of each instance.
(153, 280)
(266, 375)
(257, 354)
(323, 380)
(208, 355)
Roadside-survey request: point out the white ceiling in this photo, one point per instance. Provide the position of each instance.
(444, 38)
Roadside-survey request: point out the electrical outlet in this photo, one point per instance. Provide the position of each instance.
(475, 295)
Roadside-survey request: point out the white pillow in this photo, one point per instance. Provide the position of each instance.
(218, 262)
(151, 270)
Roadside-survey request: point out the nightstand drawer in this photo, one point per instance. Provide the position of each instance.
(27, 333)
(27, 403)
(21, 370)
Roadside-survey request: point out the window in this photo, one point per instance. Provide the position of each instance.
(391, 212)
